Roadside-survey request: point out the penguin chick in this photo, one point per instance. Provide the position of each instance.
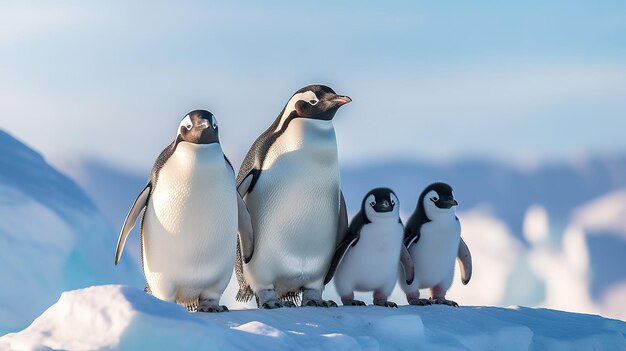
(367, 259)
(433, 238)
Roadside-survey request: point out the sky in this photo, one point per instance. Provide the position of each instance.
(512, 81)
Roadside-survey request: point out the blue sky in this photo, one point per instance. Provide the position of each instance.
(520, 82)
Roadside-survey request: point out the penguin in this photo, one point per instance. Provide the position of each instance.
(433, 238)
(367, 259)
(191, 215)
(290, 181)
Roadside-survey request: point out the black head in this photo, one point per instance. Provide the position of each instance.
(314, 102)
(380, 202)
(198, 127)
(436, 197)
(322, 104)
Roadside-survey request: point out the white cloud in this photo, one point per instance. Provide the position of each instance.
(21, 21)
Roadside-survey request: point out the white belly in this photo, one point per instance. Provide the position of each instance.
(373, 262)
(434, 254)
(190, 224)
(294, 209)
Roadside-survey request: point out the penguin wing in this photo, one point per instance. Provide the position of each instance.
(245, 230)
(412, 233)
(465, 262)
(129, 223)
(407, 265)
(251, 165)
(342, 224)
(353, 234)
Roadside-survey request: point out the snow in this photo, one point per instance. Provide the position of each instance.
(121, 317)
(52, 237)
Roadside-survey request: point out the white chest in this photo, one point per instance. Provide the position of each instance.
(373, 261)
(295, 204)
(434, 254)
(190, 222)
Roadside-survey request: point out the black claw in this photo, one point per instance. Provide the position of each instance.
(271, 305)
(421, 302)
(443, 301)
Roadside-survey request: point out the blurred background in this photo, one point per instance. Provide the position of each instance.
(521, 107)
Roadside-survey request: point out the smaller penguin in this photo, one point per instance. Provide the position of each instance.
(190, 215)
(433, 238)
(367, 259)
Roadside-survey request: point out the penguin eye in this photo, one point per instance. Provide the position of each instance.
(434, 199)
(188, 126)
(313, 102)
(372, 203)
(214, 125)
(392, 202)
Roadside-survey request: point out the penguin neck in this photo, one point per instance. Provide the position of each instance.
(382, 219)
(309, 133)
(440, 215)
(204, 153)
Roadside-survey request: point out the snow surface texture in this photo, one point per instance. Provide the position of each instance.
(568, 215)
(52, 237)
(120, 317)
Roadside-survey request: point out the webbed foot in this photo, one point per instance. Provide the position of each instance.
(443, 301)
(212, 308)
(385, 303)
(420, 302)
(319, 303)
(273, 304)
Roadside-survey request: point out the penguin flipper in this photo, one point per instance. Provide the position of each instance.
(407, 265)
(342, 223)
(340, 252)
(411, 235)
(247, 183)
(465, 262)
(129, 223)
(246, 236)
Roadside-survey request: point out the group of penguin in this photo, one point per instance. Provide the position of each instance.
(287, 207)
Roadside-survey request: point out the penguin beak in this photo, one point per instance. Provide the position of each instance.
(446, 203)
(341, 100)
(204, 124)
(383, 206)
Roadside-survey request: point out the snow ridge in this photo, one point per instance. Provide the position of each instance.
(121, 317)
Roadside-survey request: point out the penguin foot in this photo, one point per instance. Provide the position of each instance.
(289, 304)
(385, 303)
(420, 302)
(318, 303)
(212, 308)
(443, 301)
(273, 304)
(354, 303)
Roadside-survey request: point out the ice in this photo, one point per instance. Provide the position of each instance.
(52, 237)
(120, 317)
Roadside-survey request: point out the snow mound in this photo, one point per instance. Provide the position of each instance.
(52, 237)
(120, 317)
